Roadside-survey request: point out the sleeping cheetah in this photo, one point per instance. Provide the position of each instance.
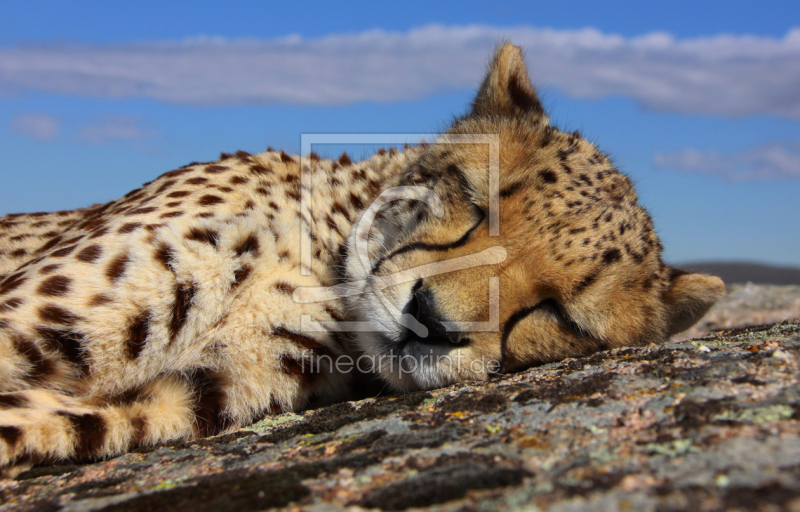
(186, 308)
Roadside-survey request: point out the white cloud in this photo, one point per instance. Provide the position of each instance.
(774, 160)
(37, 126)
(114, 129)
(728, 75)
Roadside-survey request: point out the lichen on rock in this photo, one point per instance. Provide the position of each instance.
(713, 421)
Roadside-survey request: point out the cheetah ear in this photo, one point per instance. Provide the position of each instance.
(689, 297)
(507, 89)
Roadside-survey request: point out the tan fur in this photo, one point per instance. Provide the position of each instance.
(171, 314)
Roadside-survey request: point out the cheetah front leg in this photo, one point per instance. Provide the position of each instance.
(40, 426)
(252, 372)
(270, 368)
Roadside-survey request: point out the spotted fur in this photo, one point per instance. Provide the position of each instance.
(172, 313)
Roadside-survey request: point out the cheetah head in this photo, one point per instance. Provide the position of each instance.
(485, 260)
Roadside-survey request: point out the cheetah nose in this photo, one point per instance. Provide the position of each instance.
(422, 307)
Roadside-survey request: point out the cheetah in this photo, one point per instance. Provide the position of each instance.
(200, 302)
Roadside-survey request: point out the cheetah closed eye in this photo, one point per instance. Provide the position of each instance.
(173, 312)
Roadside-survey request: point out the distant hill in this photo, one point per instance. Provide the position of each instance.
(747, 272)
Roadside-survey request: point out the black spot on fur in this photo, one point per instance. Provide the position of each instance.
(284, 287)
(344, 159)
(215, 169)
(57, 315)
(48, 269)
(180, 309)
(511, 189)
(10, 304)
(209, 200)
(178, 172)
(40, 366)
(67, 343)
(164, 186)
(50, 244)
(563, 154)
(98, 232)
(133, 194)
(137, 334)
(286, 158)
(204, 235)
(611, 256)
(128, 397)
(99, 299)
(250, 244)
(240, 275)
(54, 286)
(163, 255)
(117, 267)
(91, 430)
(357, 203)
(586, 282)
(548, 176)
(332, 224)
(259, 169)
(65, 251)
(130, 227)
(141, 211)
(89, 254)
(11, 435)
(209, 402)
(12, 282)
(12, 401)
(303, 341)
(196, 181)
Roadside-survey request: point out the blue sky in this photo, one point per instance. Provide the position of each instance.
(699, 102)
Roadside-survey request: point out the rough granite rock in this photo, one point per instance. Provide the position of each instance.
(703, 425)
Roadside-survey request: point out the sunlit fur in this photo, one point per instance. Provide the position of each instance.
(173, 313)
(584, 269)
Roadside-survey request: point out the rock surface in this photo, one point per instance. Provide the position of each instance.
(748, 304)
(709, 424)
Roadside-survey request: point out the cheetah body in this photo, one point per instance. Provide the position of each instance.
(172, 313)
